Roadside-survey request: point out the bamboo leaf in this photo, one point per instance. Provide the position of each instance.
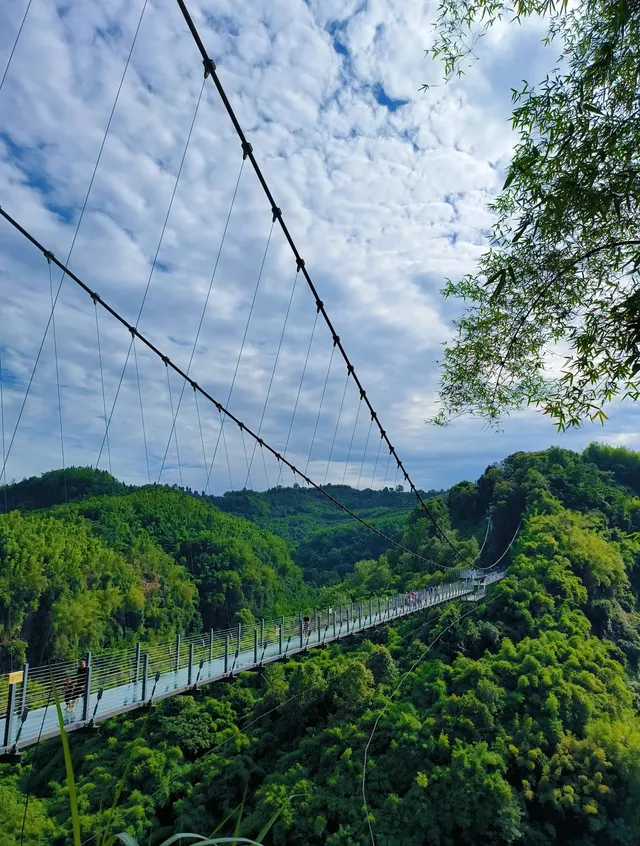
(68, 765)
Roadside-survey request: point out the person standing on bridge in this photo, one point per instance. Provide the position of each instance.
(81, 683)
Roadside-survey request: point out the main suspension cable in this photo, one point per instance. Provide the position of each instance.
(210, 71)
(133, 330)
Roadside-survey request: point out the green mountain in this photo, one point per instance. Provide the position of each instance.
(512, 722)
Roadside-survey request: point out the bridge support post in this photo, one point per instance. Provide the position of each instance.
(255, 646)
(145, 675)
(87, 690)
(210, 645)
(378, 617)
(370, 611)
(347, 613)
(226, 654)
(300, 630)
(190, 670)
(238, 643)
(280, 635)
(136, 672)
(334, 621)
(315, 620)
(25, 681)
(262, 633)
(177, 653)
(11, 707)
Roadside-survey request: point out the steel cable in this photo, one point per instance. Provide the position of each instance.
(144, 429)
(3, 478)
(55, 354)
(335, 431)
(210, 72)
(353, 434)
(275, 365)
(204, 308)
(104, 398)
(242, 343)
(15, 44)
(324, 390)
(221, 409)
(153, 264)
(295, 405)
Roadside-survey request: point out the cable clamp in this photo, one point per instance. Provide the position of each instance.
(350, 369)
(336, 340)
(241, 424)
(246, 149)
(319, 305)
(95, 297)
(218, 406)
(49, 256)
(300, 263)
(382, 433)
(277, 213)
(165, 358)
(209, 66)
(195, 386)
(133, 331)
(363, 393)
(261, 442)
(278, 456)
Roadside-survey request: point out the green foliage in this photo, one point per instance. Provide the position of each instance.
(104, 571)
(518, 726)
(565, 252)
(59, 486)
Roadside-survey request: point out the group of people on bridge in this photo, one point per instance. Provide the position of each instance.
(414, 597)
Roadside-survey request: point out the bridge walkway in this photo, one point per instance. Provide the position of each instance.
(122, 681)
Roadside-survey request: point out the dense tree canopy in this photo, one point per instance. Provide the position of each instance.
(553, 314)
(516, 722)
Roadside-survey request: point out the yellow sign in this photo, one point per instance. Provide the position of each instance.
(16, 678)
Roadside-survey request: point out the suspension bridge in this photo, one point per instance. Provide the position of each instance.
(132, 393)
(116, 682)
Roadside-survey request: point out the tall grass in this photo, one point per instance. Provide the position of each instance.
(111, 839)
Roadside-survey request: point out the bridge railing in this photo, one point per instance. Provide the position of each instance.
(183, 662)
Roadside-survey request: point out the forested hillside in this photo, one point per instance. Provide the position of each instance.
(516, 723)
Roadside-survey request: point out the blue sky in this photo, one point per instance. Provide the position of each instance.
(384, 188)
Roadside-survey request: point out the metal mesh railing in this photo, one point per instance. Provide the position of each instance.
(123, 678)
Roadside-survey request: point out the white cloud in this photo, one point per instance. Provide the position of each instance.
(384, 200)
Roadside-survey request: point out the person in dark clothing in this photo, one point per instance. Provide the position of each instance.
(81, 683)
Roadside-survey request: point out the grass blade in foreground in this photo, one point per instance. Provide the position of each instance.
(71, 782)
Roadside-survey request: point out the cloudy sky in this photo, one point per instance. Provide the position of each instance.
(384, 188)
